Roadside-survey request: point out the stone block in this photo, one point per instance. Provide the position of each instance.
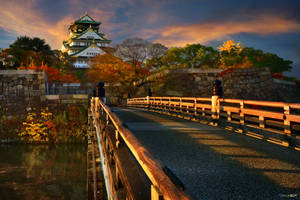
(66, 101)
(80, 96)
(52, 97)
(66, 96)
(43, 98)
(42, 87)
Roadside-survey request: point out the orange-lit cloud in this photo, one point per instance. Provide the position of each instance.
(22, 19)
(205, 32)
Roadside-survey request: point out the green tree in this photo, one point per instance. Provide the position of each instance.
(260, 59)
(26, 50)
(190, 56)
(204, 57)
(174, 58)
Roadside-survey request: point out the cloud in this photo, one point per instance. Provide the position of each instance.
(21, 18)
(132, 18)
(205, 32)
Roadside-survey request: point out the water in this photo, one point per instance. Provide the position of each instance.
(43, 172)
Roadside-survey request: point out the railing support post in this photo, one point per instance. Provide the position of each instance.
(195, 108)
(242, 117)
(287, 126)
(215, 109)
(148, 102)
(155, 194)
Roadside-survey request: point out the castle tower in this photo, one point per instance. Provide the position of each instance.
(84, 41)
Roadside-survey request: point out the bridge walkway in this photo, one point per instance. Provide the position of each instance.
(213, 163)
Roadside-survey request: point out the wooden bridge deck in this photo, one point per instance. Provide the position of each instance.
(213, 163)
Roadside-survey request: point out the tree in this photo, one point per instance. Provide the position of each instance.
(230, 46)
(62, 61)
(199, 56)
(235, 56)
(206, 57)
(230, 55)
(112, 70)
(26, 50)
(190, 56)
(54, 75)
(174, 58)
(6, 59)
(136, 50)
(260, 59)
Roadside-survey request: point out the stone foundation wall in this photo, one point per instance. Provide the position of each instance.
(20, 90)
(249, 83)
(252, 84)
(288, 91)
(54, 102)
(69, 88)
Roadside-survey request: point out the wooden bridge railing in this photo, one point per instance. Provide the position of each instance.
(277, 122)
(132, 171)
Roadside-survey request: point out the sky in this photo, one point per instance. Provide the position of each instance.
(270, 25)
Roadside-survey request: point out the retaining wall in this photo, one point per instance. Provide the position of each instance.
(249, 83)
(24, 90)
(20, 90)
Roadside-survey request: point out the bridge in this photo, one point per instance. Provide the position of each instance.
(195, 148)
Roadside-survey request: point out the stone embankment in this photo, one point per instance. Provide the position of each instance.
(249, 83)
(25, 90)
(20, 90)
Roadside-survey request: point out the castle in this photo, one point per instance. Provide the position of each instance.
(84, 41)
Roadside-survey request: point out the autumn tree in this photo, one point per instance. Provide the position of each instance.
(230, 55)
(112, 70)
(54, 75)
(136, 50)
(6, 59)
(235, 56)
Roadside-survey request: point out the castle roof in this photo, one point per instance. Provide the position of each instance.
(86, 19)
(90, 29)
(93, 45)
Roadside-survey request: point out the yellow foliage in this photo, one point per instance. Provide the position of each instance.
(229, 45)
(35, 129)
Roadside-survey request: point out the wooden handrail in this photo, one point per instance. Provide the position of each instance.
(264, 111)
(152, 167)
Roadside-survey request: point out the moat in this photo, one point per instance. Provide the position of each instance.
(43, 172)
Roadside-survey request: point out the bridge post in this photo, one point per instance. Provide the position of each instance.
(148, 102)
(215, 109)
(287, 127)
(155, 194)
(215, 102)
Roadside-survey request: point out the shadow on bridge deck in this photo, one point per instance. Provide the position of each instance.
(214, 163)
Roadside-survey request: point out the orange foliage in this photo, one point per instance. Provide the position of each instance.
(111, 69)
(229, 45)
(54, 75)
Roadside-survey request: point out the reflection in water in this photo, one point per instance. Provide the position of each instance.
(42, 172)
